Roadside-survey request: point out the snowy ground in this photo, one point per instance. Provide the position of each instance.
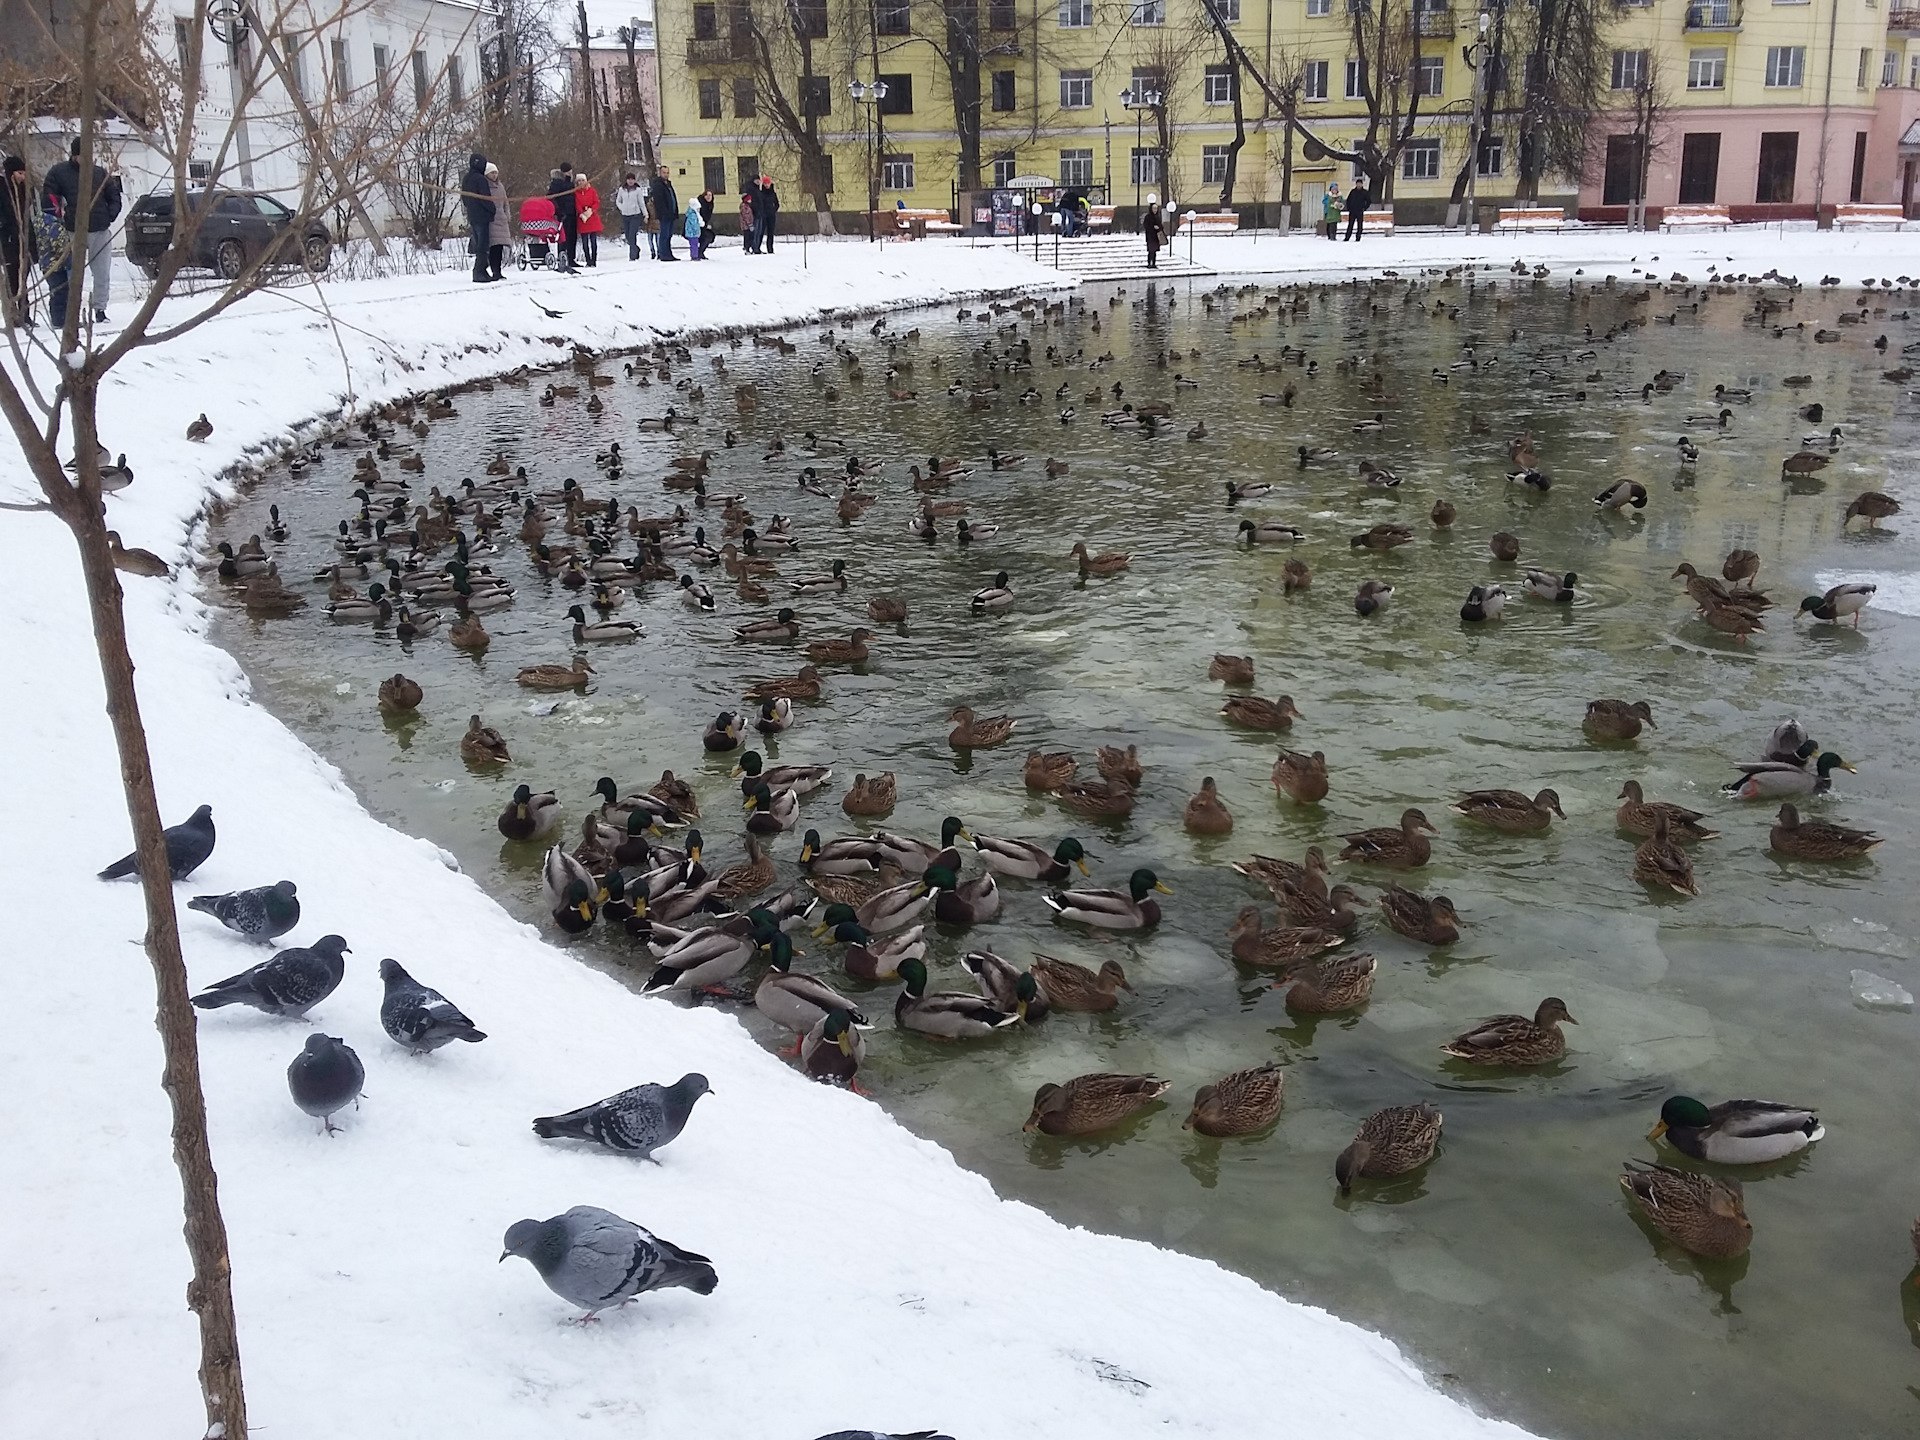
(864, 1278)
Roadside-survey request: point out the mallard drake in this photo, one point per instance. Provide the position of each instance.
(1120, 766)
(1701, 1214)
(1254, 713)
(1243, 1103)
(1431, 921)
(886, 609)
(1025, 860)
(868, 958)
(968, 531)
(1443, 514)
(1372, 597)
(783, 626)
(1390, 1142)
(585, 630)
(1818, 839)
(1842, 600)
(833, 1049)
(723, 734)
(1008, 986)
(1233, 669)
(803, 686)
(1736, 1132)
(1772, 779)
(412, 624)
(529, 816)
(482, 744)
(1514, 1040)
(1545, 585)
(1088, 1104)
(1531, 478)
(1637, 814)
(1049, 771)
(1099, 799)
(1617, 719)
(1107, 562)
(1661, 864)
(800, 779)
(996, 596)
(945, 1015)
(971, 732)
(1505, 547)
(1329, 984)
(374, 607)
(1872, 504)
(1790, 742)
(815, 584)
(1276, 948)
(1384, 536)
(1295, 575)
(398, 694)
(1254, 490)
(1270, 532)
(1405, 846)
(1310, 453)
(707, 958)
(771, 811)
(467, 633)
(1207, 813)
(555, 677)
(870, 796)
(1131, 909)
(797, 1002)
(916, 857)
(572, 894)
(1509, 810)
(1484, 602)
(851, 651)
(1378, 476)
(1300, 777)
(849, 856)
(1068, 986)
(1619, 497)
(695, 595)
(883, 912)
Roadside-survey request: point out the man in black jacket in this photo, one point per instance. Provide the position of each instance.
(61, 194)
(476, 198)
(666, 206)
(566, 209)
(1358, 199)
(769, 208)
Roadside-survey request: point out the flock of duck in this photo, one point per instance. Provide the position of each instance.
(640, 861)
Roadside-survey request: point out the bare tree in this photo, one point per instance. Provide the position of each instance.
(1562, 87)
(1650, 108)
(520, 58)
(633, 102)
(783, 42)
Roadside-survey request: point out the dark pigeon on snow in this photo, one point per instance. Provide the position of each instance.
(640, 1120)
(886, 1435)
(597, 1260)
(262, 913)
(188, 845)
(289, 982)
(420, 1018)
(325, 1077)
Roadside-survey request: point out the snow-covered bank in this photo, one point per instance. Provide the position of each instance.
(864, 1278)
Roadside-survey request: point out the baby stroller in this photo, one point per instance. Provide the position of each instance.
(540, 232)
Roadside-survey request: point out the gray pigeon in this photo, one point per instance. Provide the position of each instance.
(419, 1018)
(188, 844)
(262, 913)
(288, 982)
(886, 1435)
(325, 1077)
(597, 1260)
(641, 1119)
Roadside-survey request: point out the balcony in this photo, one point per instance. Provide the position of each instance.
(1433, 22)
(720, 49)
(1715, 15)
(1903, 20)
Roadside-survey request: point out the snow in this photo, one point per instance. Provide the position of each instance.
(865, 1279)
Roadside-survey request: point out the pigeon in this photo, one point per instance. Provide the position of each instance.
(597, 1260)
(289, 982)
(886, 1435)
(325, 1077)
(188, 844)
(262, 913)
(420, 1018)
(641, 1119)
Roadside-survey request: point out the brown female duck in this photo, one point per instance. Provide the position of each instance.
(482, 744)
(1100, 799)
(1661, 864)
(1108, 562)
(1617, 719)
(1514, 1040)
(1068, 986)
(1702, 1214)
(803, 686)
(1430, 921)
(1254, 713)
(1243, 1103)
(1405, 847)
(1637, 814)
(1120, 766)
(1329, 984)
(1091, 1103)
(1278, 948)
(1390, 1142)
(1301, 778)
(1049, 771)
(974, 732)
(556, 677)
(1509, 810)
(1818, 839)
(871, 795)
(1207, 813)
(850, 651)
(1234, 669)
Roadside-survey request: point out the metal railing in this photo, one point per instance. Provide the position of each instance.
(719, 50)
(1715, 15)
(1903, 20)
(1433, 23)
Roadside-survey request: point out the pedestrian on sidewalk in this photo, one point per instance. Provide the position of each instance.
(586, 201)
(1358, 199)
(567, 211)
(1151, 227)
(1330, 211)
(631, 201)
(767, 206)
(500, 233)
(476, 199)
(692, 228)
(749, 220)
(666, 212)
(706, 222)
(18, 240)
(61, 194)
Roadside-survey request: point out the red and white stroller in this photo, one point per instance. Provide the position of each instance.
(540, 233)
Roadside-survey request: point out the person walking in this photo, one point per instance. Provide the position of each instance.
(692, 228)
(476, 198)
(1152, 227)
(566, 210)
(631, 201)
(500, 232)
(56, 248)
(61, 194)
(666, 212)
(706, 222)
(1330, 211)
(18, 241)
(749, 220)
(1358, 199)
(586, 201)
(768, 206)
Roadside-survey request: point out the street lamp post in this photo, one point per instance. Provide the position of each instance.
(872, 94)
(1476, 54)
(1139, 100)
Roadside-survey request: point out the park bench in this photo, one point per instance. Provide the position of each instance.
(1100, 217)
(1217, 222)
(1546, 218)
(1696, 217)
(1377, 222)
(916, 224)
(1855, 214)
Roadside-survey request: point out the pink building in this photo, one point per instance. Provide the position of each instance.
(611, 81)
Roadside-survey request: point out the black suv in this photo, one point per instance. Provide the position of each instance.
(235, 229)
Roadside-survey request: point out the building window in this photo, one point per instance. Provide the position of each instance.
(1779, 157)
(1420, 160)
(1493, 155)
(1913, 73)
(1005, 168)
(810, 19)
(1218, 85)
(1076, 167)
(746, 104)
(816, 94)
(713, 173)
(1431, 77)
(636, 154)
(1149, 84)
(183, 45)
(1146, 166)
(1785, 65)
(1890, 69)
(1003, 92)
(899, 97)
(422, 81)
(893, 17)
(817, 176)
(1699, 167)
(710, 99)
(1076, 89)
(342, 72)
(1354, 91)
(746, 169)
(1000, 15)
(1076, 14)
(1621, 181)
(896, 172)
(1319, 8)
(1707, 69)
(382, 69)
(1866, 59)
(1213, 164)
(1149, 12)
(1227, 10)
(1629, 69)
(706, 22)
(456, 82)
(1313, 80)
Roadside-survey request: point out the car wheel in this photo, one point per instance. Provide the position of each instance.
(318, 255)
(230, 259)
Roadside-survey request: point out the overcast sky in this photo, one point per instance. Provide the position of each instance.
(607, 15)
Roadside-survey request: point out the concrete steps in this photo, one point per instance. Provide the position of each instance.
(1114, 257)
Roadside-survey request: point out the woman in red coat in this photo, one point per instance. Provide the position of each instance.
(587, 199)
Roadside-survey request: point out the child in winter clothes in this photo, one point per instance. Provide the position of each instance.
(692, 228)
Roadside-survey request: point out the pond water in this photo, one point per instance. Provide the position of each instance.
(1512, 1266)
